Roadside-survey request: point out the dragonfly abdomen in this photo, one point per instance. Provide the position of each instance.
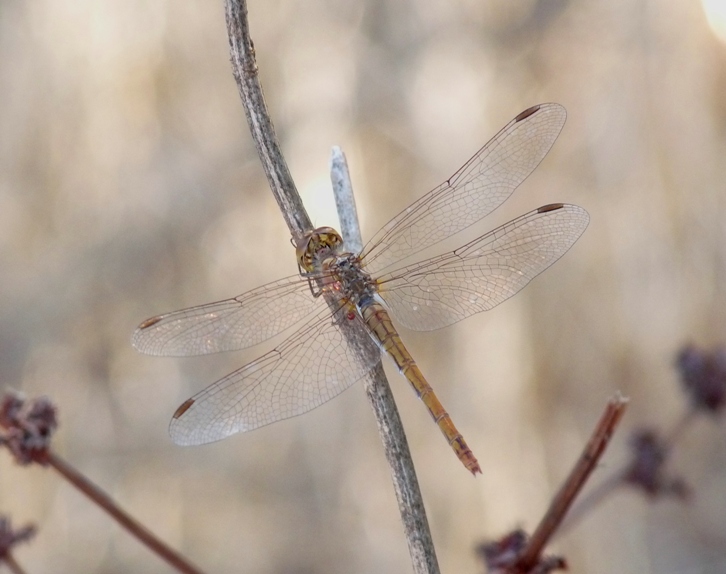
(388, 339)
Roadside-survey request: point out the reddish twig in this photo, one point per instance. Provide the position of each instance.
(12, 564)
(517, 553)
(703, 379)
(28, 428)
(645, 471)
(593, 499)
(10, 538)
(122, 517)
(575, 481)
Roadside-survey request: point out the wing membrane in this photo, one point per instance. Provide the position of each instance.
(477, 189)
(483, 273)
(228, 325)
(317, 363)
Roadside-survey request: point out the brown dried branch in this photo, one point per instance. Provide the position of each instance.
(516, 553)
(645, 471)
(575, 481)
(27, 430)
(244, 68)
(12, 564)
(410, 501)
(703, 378)
(10, 538)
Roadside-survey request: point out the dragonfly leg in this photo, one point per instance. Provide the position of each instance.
(315, 289)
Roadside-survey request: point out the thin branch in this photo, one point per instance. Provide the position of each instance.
(591, 500)
(246, 74)
(644, 470)
(11, 537)
(28, 427)
(680, 426)
(345, 201)
(378, 391)
(575, 481)
(123, 518)
(244, 68)
(12, 564)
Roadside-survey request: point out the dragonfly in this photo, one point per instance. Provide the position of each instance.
(343, 304)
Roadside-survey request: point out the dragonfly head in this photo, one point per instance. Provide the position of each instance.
(320, 241)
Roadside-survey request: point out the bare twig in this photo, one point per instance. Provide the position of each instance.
(244, 68)
(122, 517)
(345, 201)
(245, 72)
(592, 499)
(574, 483)
(12, 564)
(27, 431)
(378, 391)
(9, 538)
(645, 470)
(680, 427)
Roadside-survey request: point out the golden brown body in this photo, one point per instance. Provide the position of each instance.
(378, 321)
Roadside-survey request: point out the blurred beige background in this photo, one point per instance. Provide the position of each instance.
(129, 186)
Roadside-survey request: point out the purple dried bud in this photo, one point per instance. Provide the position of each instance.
(10, 538)
(27, 427)
(503, 552)
(10, 406)
(646, 469)
(704, 377)
(502, 556)
(549, 564)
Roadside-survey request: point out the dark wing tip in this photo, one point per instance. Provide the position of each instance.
(149, 323)
(184, 407)
(526, 113)
(550, 207)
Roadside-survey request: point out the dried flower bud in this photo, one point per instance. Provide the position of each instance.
(502, 556)
(646, 469)
(10, 538)
(27, 427)
(499, 553)
(704, 377)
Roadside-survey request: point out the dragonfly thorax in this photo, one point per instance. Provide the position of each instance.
(350, 279)
(316, 246)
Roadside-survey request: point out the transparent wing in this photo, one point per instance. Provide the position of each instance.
(477, 189)
(228, 325)
(317, 363)
(483, 273)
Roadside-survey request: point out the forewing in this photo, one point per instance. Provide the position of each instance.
(483, 273)
(317, 363)
(477, 189)
(228, 325)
